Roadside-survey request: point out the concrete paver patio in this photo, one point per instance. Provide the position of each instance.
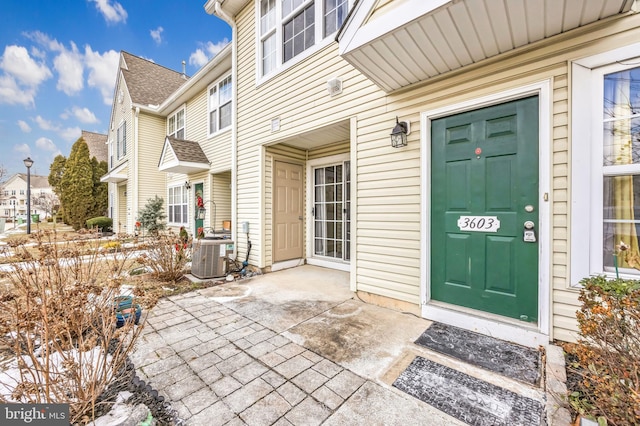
(294, 347)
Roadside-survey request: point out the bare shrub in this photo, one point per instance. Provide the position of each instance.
(58, 321)
(166, 255)
(607, 355)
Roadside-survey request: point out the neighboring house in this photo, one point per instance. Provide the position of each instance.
(136, 137)
(196, 155)
(520, 170)
(13, 199)
(97, 144)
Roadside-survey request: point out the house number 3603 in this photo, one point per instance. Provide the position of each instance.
(479, 223)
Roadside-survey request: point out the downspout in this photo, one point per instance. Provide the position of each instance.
(136, 152)
(217, 10)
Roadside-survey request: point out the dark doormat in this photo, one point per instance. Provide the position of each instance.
(508, 359)
(466, 398)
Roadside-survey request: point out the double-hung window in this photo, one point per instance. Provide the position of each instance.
(287, 28)
(121, 140)
(220, 105)
(175, 125)
(178, 207)
(606, 164)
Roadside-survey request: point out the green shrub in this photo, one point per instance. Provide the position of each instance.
(608, 351)
(103, 223)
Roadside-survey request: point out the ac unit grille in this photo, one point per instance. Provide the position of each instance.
(208, 259)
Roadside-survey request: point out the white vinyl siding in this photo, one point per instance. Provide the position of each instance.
(149, 180)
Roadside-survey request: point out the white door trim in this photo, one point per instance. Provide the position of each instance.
(324, 262)
(465, 318)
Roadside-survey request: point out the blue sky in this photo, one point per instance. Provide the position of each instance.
(59, 58)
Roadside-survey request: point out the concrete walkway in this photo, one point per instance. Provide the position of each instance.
(293, 347)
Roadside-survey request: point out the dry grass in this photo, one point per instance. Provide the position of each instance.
(57, 321)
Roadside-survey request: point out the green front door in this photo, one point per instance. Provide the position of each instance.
(484, 189)
(198, 193)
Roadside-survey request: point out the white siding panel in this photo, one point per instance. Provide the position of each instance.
(151, 181)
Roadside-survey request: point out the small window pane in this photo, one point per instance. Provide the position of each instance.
(213, 122)
(335, 12)
(225, 115)
(621, 196)
(267, 15)
(269, 54)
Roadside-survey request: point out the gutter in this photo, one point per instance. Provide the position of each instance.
(214, 7)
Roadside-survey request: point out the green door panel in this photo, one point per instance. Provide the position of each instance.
(485, 163)
(197, 192)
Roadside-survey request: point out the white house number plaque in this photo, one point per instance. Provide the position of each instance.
(479, 223)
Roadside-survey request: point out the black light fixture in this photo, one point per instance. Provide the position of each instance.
(28, 162)
(399, 133)
(187, 185)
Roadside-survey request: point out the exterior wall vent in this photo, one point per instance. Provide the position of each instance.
(334, 86)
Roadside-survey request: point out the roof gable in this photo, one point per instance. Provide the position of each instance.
(97, 143)
(148, 83)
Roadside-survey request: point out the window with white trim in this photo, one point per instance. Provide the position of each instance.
(175, 125)
(122, 140)
(606, 165)
(289, 27)
(220, 105)
(177, 204)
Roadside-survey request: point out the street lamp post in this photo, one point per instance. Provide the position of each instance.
(28, 162)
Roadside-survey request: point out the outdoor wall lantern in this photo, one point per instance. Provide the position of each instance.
(187, 185)
(399, 134)
(28, 162)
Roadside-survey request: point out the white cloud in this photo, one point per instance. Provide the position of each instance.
(43, 40)
(23, 148)
(17, 63)
(102, 71)
(113, 12)
(156, 35)
(70, 69)
(83, 115)
(45, 144)
(46, 124)
(198, 58)
(203, 54)
(12, 94)
(70, 134)
(24, 126)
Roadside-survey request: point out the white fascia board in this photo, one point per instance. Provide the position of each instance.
(357, 36)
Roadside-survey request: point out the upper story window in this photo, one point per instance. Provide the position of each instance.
(220, 104)
(289, 27)
(22, 192)
(175, 125)
(121, 140)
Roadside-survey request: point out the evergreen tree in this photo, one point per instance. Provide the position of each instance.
(56, 170)
(152, 215)
(100, 189)
(76, 186)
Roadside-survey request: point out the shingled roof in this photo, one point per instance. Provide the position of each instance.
(187, 151)
(97, 143)
(182, 156)
(149, 83)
